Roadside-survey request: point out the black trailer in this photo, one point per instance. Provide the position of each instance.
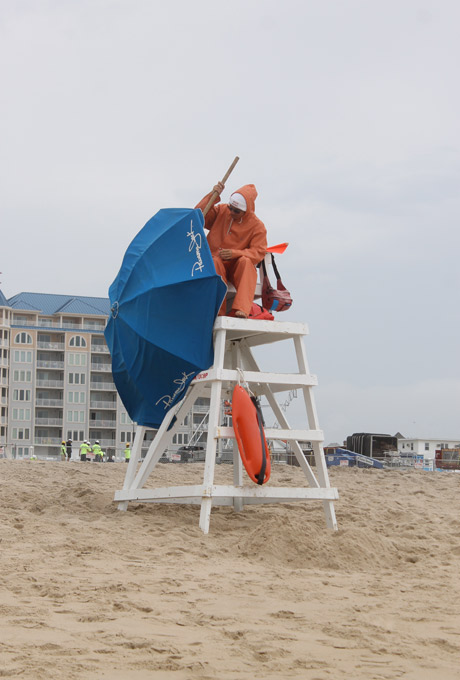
(373, 445)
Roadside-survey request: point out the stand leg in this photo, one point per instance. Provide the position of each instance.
(320, 461)
(132, 465)
(237, 464)
(214, 412)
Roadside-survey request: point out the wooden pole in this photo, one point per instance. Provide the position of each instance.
(215, 195)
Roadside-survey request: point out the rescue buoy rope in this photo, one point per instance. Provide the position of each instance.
(243, 383)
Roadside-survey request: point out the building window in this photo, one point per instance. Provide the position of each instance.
(427, 446)
(21, 414)
(77, 341)
(78, 435)
(77, 378)
(125, 419)
(76, 397)
(76, 416)
(21, 395)
(75, 359)
(22, 376)
(22, 357)
(23, 339)
(21, 433)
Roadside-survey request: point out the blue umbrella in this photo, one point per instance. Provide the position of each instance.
(164, 302)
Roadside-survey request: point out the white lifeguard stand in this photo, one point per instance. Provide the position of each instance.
(234, 340)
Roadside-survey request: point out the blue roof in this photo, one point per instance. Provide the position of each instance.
(47, 303)
(3, 300)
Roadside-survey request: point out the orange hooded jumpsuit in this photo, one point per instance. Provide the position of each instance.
(246, 236)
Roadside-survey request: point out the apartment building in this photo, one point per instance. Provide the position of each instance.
(55, 376)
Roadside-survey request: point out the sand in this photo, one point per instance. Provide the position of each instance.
(90, 592)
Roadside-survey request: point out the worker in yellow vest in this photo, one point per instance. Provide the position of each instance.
(84, 448)
(97, 452)
(63, 451)
(127, 453)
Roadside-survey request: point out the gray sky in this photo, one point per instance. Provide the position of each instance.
(345, 114)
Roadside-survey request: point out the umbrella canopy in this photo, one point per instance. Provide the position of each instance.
(164, 302)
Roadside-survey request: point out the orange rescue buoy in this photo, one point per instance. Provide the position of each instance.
(250, 436)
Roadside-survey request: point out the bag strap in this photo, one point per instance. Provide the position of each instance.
(275, 268)
(264, 269)
(260, 421)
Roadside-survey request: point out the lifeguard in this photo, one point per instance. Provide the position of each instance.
(238, 242)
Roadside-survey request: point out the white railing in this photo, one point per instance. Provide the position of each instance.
(50, 345)
(49, 402)
(100, 348)
(50, 364)
(103, 423)
(48, 421)
(200, 409)
(105, 368)
(47, 440)
(109, 386)
(103, 404)
(47, 324)
(105, 442)
(41, 382)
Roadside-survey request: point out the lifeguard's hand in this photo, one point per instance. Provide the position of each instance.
(226, 254)
(219, 188)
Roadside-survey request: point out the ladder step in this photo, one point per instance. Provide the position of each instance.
(276, 433)
(283, 382)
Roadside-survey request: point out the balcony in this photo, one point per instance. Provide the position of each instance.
(103, 423)
(41, 382)
(109, 386)
(49, 402)
(105, 368)
(103, 404)
(47, 440)
(100, 348)
(55, 422)
(51, 345)
(200, 409)
(50, 364)
(105, 442)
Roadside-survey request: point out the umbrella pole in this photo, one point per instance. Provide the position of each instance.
(215, 194)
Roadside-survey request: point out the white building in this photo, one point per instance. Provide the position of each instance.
(55, 376)
(425, 447)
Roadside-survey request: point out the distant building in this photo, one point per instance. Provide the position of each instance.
(425, 447)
